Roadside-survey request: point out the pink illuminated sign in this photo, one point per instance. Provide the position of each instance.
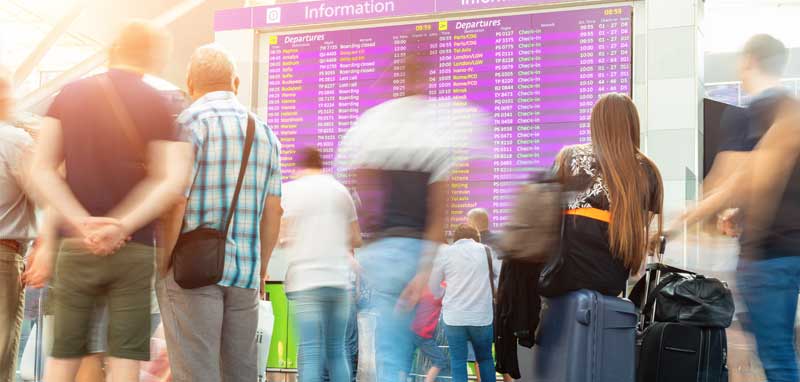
(330, 11)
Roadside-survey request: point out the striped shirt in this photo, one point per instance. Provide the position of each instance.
(216, 125)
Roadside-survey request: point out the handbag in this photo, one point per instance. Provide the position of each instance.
(549, 278)
(199, 255)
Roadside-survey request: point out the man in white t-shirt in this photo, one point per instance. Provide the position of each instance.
(319, 231)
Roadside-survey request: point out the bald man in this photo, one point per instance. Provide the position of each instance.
(211, 330)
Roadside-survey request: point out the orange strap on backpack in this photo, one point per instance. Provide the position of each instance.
(591, 213)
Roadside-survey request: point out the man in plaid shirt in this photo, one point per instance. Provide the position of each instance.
(211, 331)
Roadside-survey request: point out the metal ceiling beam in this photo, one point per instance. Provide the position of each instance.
(35, 57)
(97, 59)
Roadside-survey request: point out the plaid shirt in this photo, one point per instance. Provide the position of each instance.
(216, 125)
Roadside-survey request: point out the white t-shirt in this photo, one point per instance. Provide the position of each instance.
(468, 295)
(318, 212)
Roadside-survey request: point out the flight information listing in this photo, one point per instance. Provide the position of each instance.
(536, 75)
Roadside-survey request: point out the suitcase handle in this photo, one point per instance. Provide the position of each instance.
(584, 316)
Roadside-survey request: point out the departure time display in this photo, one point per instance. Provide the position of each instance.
(537, 76)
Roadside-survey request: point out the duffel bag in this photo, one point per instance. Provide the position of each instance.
(690, 299)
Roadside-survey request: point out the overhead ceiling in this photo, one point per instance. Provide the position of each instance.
(729, 23)
(24, 23)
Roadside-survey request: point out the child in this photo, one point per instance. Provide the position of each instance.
(424, 325)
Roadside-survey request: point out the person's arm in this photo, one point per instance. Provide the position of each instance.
(41, 261)
(724, 196)
(355, 229)
(271, 220)
(437, 276)
(769, 170)
(48, 183)
(434, 237)
(171, 223)
(355, 235)
(725, 164)
(169, 166)
(759, 176)
(270, 230)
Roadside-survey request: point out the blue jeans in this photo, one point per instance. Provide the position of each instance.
(429, 348)
(321, 315)
(388, 265)
(481, 338)
(351, 336)
(350, 340)
(770, 288)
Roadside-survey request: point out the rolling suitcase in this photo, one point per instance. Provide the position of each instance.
(585, 336)
(673, 352)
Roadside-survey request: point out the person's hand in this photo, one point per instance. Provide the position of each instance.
(728, 223)
(39, 267)
(412, 293)
(103, 236)
(264, 279)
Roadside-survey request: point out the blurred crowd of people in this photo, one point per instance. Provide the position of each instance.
(124, 190)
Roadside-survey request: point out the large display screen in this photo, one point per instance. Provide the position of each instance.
(537, 76)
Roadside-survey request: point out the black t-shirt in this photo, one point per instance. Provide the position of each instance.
(782, 237)
(393, 202)
(104, 163)
(586, 249)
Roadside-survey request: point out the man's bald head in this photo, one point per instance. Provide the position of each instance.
(141, 45)
(478, 218)
(211, 68)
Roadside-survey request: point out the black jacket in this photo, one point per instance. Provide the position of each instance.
(516, 316)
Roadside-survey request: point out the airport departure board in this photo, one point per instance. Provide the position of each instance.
(536, 75)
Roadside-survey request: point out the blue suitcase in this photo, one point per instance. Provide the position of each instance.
(585, 336)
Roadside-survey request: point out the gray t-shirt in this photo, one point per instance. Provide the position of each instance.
(17, 218)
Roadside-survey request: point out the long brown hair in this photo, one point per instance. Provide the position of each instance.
(615, 140)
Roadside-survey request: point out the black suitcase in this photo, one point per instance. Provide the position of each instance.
(672, 352)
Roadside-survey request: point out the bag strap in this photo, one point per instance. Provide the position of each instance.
(491, 270)
(663, 283)
(248, 146)
(591, 213)
(121, 113)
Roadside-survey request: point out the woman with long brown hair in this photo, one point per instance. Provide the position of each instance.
(616, 195)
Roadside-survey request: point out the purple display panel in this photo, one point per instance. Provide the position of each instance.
(537, 75)
(468, 5)
(328, 11)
